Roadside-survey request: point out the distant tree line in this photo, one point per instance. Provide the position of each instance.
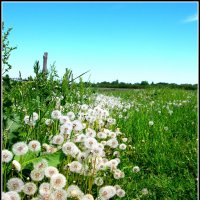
(142, 85)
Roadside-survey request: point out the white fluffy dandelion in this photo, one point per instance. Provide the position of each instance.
(29, 120)
(144, 191)
(136, 169)
(15, 184)
(66, 128)
(74, 191)
(35, 116)
(6, 156)
(30, 188)
(45, 189)
(71, 115)
(69, 148)
(102, 135)
(42, 165)
(124, 139)
(120, 193)
(88, 197)
(16, 165)
(107, 192)
(13, 195)
(59, 195)
(34, 146)
(37, 175)
(50, 171)
(58, 181)
(122, 146)
(151, 123)
(98, 181)
(56, 114)
(77, 125)
(90, 142)
(58, 139)
(84, 107)
(20, 148)
(64, 119)
(90, 133)
(113, 143)
(75, 166)
(48, 122)
(5, 196)
(82, 156)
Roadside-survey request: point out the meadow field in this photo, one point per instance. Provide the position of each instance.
(67, 141)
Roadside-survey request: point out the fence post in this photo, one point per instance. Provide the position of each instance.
(45, 56)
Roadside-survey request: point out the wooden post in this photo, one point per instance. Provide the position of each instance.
(45, 56)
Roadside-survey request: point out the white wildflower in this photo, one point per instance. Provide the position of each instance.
(58, 139)
(37, 175)
(6, 156)
(16, 165)
(56, 114)
(58, 181)
(136, 169)
(34, 146)
(107, 192)
(30, 188)
(15, 184)
(50, 171)
(20, 148)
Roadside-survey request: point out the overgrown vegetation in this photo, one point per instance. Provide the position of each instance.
(65, 140)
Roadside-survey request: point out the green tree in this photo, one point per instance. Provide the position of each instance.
(144, 83)
(6, 49)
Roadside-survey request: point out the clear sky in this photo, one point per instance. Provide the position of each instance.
(128, 41)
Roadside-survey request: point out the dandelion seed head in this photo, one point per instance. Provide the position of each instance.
(74, 191)
(16, 165)
(5, 196)
(42, 165)
(20, 148)
(50, 171)
(34, 146)
(59, 195)
(58, 139)
(6, 156)
(15, 184)
(98, 181)
(58, 181)
(122, 146)
(120, 193)
(144, 191)
(64, 119)
(37, 175)
(88, 197)
(75, 166)
(136, 169)
(45, 189)
(30, 188)
(151, 123)
(56, 114)
(69, 148)
(71, 115)
(13, 195)
(107, 192)
(48, 122)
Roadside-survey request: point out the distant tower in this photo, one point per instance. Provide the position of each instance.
(45, 56)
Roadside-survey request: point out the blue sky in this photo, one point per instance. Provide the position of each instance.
(130, 42)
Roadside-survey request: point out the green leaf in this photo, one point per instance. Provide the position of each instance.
(55, 158)
(30, 158)
(13, 125)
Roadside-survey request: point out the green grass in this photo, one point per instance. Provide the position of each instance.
(167, 159)
(166, 152)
